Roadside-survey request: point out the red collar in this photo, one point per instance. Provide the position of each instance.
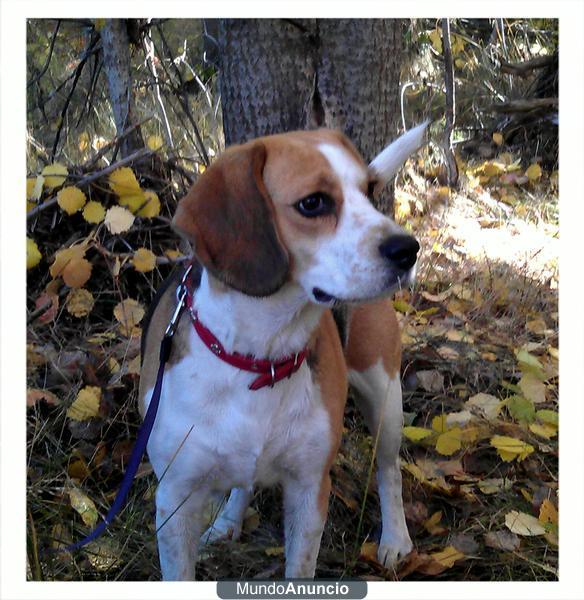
(271, 371)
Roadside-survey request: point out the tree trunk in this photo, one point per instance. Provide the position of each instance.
(281, 75)
(116, 63)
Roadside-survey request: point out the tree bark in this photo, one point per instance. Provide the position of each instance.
(451, 166)
(281, 75)
(116, 63)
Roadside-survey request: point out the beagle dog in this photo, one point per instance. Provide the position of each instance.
(283, 231)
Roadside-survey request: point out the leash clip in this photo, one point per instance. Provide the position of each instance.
(181, 296)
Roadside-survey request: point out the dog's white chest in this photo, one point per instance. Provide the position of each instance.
(210, 423)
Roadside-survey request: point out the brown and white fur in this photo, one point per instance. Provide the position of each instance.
(261, 263)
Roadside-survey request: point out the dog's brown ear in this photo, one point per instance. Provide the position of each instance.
(229, 217)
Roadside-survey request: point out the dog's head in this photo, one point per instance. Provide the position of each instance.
(296, 207)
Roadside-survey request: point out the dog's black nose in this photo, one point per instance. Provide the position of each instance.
(400, 250)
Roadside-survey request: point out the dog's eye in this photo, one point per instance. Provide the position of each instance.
(315, 205)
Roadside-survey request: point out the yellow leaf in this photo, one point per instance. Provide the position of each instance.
(86, 404)
(129, 313)
(64, 257)
(152, 206)
(523, 524)
(537, 326)
(83, 141)
(415, 470)
(133, 202)
(274, 551)
(54, 175)
(459, 63)
(449, 442)
(30, 183)
(448, 556)
(415, 434)
(94, 212)
(532, 388)
(498, 138)
(548, 513)
(154, 142)
(553, 352)
(173, 254)
(79, 302)
(118, 219)
(71, 199)
(77, 272)
(33, 255)
(510, 448)
(490, 486)
(527, 361)
(431, 525)
(533, 172)
(83, 505)
(124, 183)
(439, 423)
(144, 260)
(492, 168)
(369, 551)
(98, 24)
(402, 306)
(436, 40)
(546, 430)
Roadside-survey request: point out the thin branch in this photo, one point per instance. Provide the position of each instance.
(49, 57)
(450, 104)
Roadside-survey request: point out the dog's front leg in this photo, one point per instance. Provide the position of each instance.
(305, 509)
(178, 526)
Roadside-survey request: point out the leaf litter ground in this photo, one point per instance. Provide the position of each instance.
(479, 458)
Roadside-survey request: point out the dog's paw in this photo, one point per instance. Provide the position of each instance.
(392, 551)
(221, 529)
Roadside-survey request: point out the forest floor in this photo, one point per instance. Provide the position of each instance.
(480, 376)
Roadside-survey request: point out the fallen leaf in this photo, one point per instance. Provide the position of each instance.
(129, 313)
(502, 540)
(94, 212)
(520, 408)
(33, 255)
(79, 302)
(64, 257)
(548, 513)
(402, 306)
(485, 404)
(123, 182)
(465, 543)
(369, 551)
(523, 524)
(154, 142)
(510, 448)
(498, 138)
(548, 416)
(431, 381)
(546, 430)
(533, 172)
(83, 505)
(103, 554)
(532, 388)
(152, 207)
(118, 219)
(54, 175)
(77, 272)
(144, 260)
(449, 442)
(494, 485)
(35, 395)
(71, 199)
(51, 309)
(415, 434)
(274, 551)
(432, 526)
(86, 405)
(448, 353)
(537, 326)
(448, 556)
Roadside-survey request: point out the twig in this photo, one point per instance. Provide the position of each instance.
(149, 51)
(523, 69)
(451, 167)
(78, 71)
(137, 156)
(49, 57)
(92, 161)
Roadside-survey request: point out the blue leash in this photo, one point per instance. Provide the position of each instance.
(145, 429)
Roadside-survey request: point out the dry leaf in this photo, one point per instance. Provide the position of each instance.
(152, 206)
(94, 212)
(84, 505)
(510, 448)
(448, 556)
(545, 431)
(449, 442)
(502, 540)
(80, 302)
(54, 175)
(124, 183)
(548, 513)
(520, 408)
(144, 260)
(118, 219)
(498, 138)
(432, 526)
(33, 255)
(86, 405)
(35, 395)
(415, 434)
(523, 524)
(64, 257)
(533, 172)
(369, 551)
(532, 388)
(71, 199)
(129, 313)
(431, 381)
(154, 142)
(484, 404)
(77, 272)
(51, 309)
